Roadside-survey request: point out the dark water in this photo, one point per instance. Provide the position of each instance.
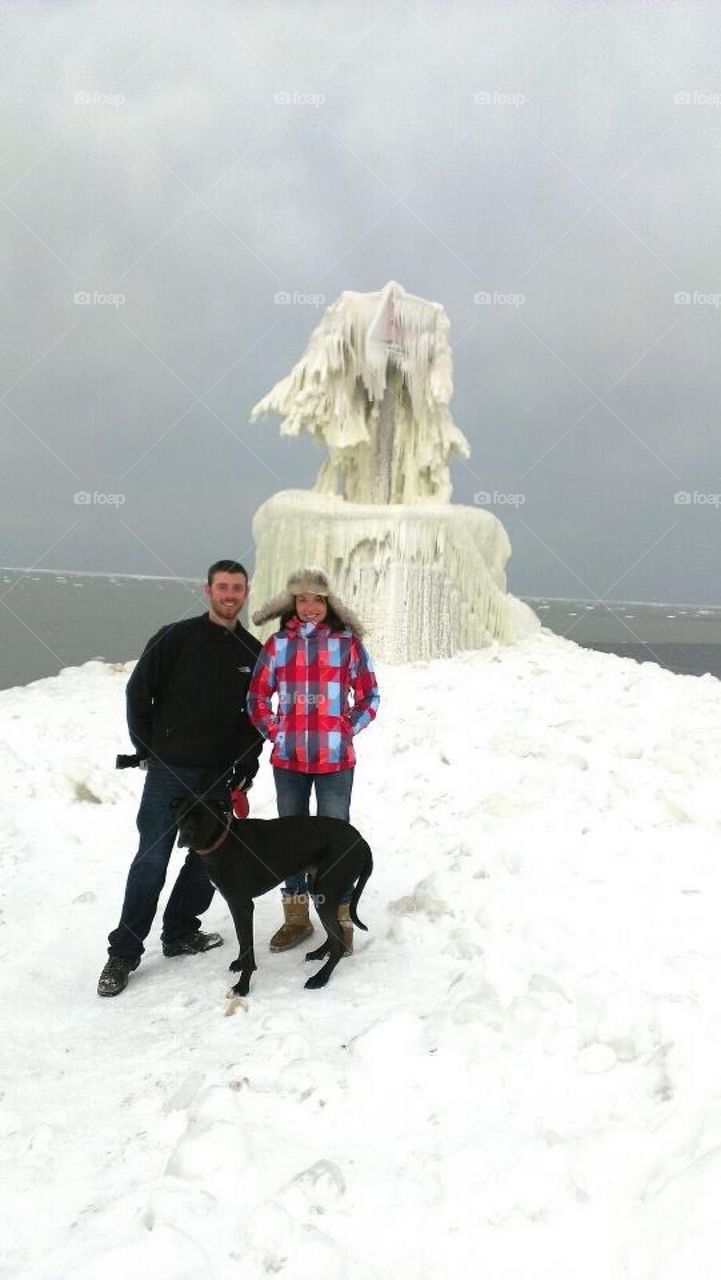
(54, 620)
(50, 620)
(684, 638)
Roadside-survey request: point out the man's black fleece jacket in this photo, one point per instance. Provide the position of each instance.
(186, 696)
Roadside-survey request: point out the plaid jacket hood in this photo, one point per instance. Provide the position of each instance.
(313, 671)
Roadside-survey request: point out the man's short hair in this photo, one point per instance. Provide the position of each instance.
(226, 566)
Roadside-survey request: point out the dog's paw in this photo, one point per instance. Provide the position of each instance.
(235, 966)
(241, 988)
(320, 953)
(318, 980)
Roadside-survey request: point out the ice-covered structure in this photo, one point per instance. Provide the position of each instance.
(374, 386)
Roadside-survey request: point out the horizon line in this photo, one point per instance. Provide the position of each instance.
(159, 577)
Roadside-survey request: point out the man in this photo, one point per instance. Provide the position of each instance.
(188, 724)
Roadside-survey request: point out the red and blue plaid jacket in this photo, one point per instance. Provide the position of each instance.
(312, 670)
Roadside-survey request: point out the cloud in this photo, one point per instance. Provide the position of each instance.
(197, 159)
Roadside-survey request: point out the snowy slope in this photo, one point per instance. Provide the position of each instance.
(516, 1075)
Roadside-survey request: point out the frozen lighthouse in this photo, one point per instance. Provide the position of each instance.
(373, 387)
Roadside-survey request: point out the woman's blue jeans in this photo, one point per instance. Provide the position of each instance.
(332, 794)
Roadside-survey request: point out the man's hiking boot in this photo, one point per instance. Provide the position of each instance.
(114, 977)
(192, 944)
(296, 927)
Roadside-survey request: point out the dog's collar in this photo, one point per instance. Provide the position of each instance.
(221, 838)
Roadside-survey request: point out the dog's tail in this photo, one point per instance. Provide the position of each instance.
(363, 878)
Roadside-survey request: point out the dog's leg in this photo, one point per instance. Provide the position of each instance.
(242, 913)
(320, 952)
(333, 946)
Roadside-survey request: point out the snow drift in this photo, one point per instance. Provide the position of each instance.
(517, 1072)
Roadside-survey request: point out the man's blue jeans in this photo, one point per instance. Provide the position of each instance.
(193, 890)
(332, 793)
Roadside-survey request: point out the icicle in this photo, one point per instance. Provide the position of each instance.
(427, 580)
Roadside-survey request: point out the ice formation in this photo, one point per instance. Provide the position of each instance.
(374, 386)
(427, 580)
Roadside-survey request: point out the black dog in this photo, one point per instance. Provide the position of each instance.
(245, 859)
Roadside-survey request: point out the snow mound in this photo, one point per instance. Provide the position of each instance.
(517, 1071)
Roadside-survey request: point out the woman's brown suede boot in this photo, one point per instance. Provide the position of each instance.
(296, 927)
(346, 925)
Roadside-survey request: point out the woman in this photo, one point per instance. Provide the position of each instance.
(313, 663)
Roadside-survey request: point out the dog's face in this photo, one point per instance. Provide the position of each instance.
(198, 820)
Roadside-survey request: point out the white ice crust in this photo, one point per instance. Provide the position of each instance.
(375, 359)
(374, 386)
(519, 1064)
(426, 580)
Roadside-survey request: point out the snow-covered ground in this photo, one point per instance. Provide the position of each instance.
(517, 1075)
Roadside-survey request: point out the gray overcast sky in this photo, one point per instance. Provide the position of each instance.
(199, 158)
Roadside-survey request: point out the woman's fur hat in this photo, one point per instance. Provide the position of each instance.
(313, 582)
